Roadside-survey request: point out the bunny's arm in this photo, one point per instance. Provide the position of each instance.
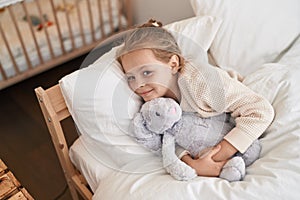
(178, 169)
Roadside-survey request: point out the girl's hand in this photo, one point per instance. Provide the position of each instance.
(206, 166)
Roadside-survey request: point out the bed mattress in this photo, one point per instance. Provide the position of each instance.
(275, 175)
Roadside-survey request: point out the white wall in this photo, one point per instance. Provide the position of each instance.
(166, 11)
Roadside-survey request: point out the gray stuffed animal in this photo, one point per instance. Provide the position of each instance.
(161, 125)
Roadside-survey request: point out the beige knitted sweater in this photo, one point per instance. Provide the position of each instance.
(210, 91)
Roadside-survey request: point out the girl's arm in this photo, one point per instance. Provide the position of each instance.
(252, 112)
(210, 90)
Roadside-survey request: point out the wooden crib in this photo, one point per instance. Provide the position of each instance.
(36, 35)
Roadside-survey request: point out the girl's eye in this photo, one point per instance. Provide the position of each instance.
(147, 73)
(130, 78)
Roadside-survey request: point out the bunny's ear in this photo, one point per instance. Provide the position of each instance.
(139, 128)
(145, 137)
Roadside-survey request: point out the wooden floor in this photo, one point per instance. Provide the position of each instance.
(25, 144)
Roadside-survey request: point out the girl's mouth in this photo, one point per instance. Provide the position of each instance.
(145, 93)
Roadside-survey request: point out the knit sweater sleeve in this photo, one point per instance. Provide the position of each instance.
(209, 90)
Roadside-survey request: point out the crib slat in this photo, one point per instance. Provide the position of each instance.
(80, 23)
(91, 20)
(45, 29)
(128, 11)
(69, 26)
(9, 51)
(2, 72)
(101, 18)
(58, 27)
(47, 65)
(20, 37)
(32, 32)
(110, 16)
(119, 6)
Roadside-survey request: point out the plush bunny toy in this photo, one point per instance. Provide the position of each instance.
(161, 125)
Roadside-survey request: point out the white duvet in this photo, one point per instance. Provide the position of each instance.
(275, 175)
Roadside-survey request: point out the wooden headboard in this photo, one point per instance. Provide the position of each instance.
(55, 110)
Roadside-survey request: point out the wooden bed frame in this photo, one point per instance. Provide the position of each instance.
(124, 9)
(55, 110)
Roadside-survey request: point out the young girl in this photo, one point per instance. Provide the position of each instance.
(152, 62)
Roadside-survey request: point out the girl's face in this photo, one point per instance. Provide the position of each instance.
(149, 77)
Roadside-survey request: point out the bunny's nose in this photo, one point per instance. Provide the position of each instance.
(173, 110)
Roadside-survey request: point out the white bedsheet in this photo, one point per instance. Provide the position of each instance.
(275, 175)
(15, 45)
(81, 154)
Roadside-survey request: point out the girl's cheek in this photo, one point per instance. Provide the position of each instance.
(132, 86)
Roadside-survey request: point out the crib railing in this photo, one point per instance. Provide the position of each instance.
(52, 41)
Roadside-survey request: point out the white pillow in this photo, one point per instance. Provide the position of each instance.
(101, 102)
(200, 29)
(253, 32)
(102, 106)
(194, 35)
(99, 98)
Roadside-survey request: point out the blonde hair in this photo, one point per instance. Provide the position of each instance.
(152, 36)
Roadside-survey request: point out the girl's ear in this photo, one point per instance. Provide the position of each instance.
(174, 63)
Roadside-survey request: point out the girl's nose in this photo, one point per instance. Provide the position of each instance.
(137, 84)
(141, 84)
